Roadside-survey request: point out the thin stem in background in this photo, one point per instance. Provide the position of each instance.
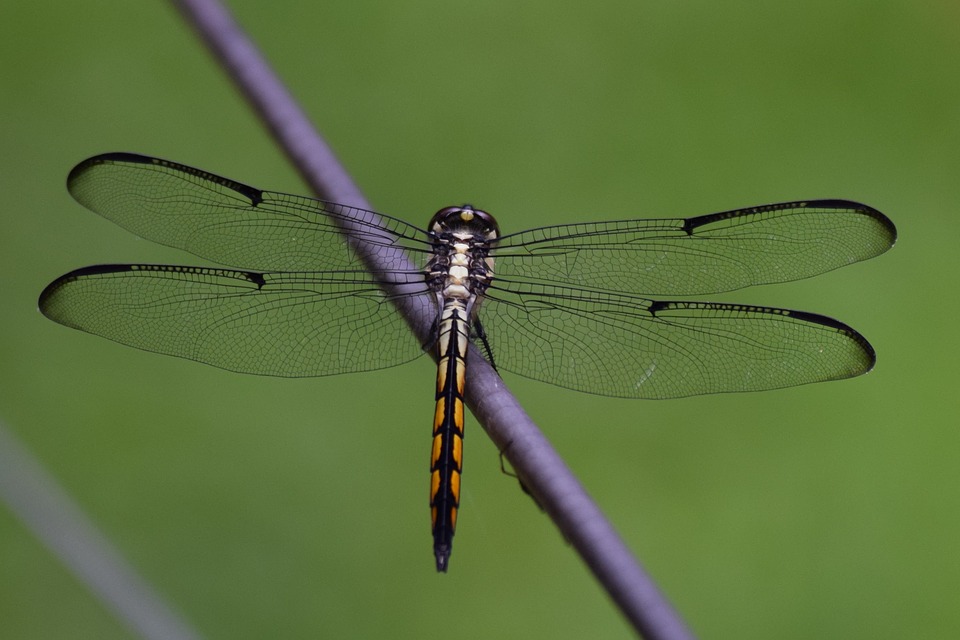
(46, 510)
(543, 472)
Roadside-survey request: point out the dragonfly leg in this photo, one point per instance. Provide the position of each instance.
(482, 336)
(513, 474)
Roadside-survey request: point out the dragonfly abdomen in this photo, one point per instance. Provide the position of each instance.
(446, 459)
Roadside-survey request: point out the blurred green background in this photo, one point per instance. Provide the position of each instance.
(297, 508)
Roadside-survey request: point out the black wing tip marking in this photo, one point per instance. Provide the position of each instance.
(840, 327)
(122, 157)
(104, 158)
(255, 277)
(259, 279)
(51, 289)
(870, 354)
(864, 209)
(691, 224)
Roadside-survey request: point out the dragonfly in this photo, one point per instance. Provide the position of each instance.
(587, 306)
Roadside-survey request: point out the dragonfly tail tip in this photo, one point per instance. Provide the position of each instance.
(443, 559)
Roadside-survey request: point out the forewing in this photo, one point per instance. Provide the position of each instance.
(232, 223)
(702, 255)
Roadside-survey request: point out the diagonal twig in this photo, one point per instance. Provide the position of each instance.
(531, 455)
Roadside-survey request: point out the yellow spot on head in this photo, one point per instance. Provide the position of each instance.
(466, 215)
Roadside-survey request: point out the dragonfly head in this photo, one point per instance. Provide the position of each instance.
(465, 219)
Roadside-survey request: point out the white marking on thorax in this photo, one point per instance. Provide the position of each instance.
(457, 283)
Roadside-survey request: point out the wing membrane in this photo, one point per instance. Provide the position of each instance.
(702, 255)
(632, 347)
(228, 222)
(278, 324)
(565, 305)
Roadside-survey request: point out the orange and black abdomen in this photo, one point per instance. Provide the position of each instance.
(446, 459)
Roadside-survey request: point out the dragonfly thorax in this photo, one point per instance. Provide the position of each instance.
(461, 265)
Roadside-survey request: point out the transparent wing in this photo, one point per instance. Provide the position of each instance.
(228, 222)
(278, 324)
(702, 255)
(632, 347)
(332, 318)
